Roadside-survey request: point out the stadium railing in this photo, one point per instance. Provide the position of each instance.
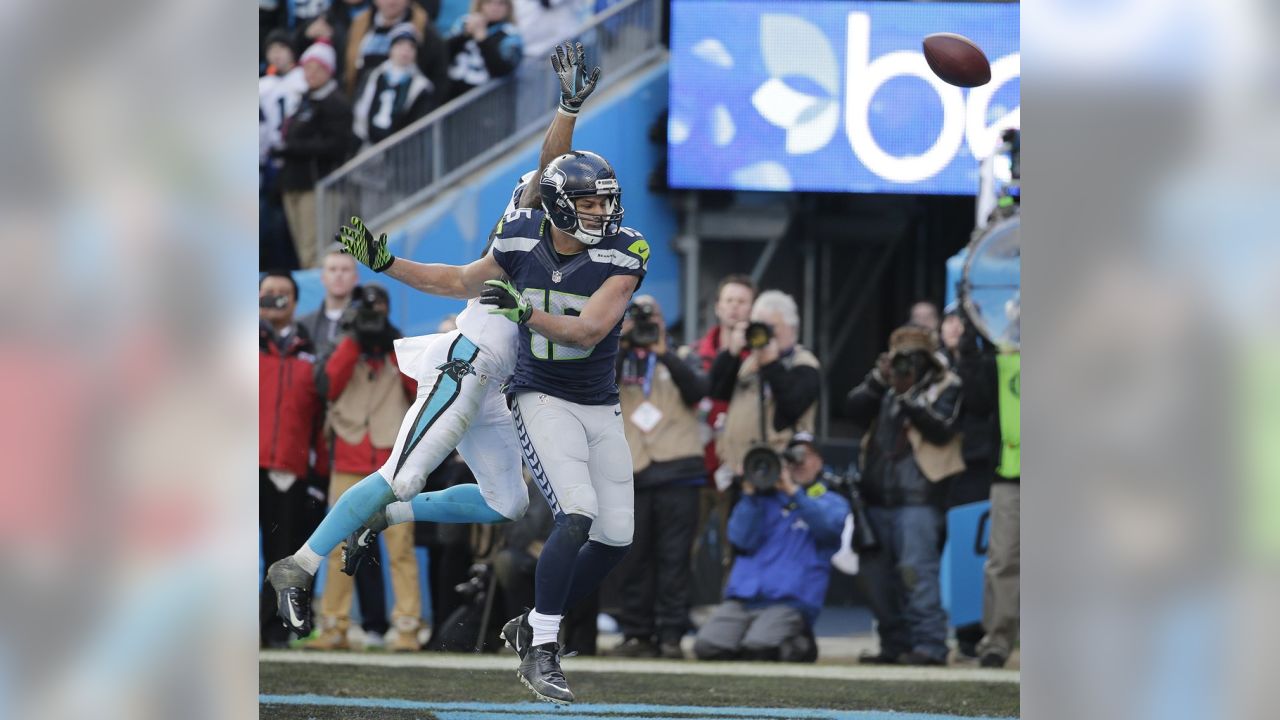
(410, 167)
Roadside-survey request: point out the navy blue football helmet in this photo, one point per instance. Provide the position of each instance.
(581, 174)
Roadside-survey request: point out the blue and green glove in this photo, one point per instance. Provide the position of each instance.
(358, 242)
(506, 300)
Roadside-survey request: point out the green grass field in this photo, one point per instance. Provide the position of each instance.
(496, 693)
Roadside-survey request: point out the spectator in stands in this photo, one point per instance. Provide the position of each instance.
(338, 277)
(909, 405)
(484, 45)
(369, 44)
(785, 538)
(925, 314)
(317, 139)
(659, 393)
(396, 93)
(1003, 571)
(287, 408)
(544, 23)
(768, 379)
(369, 397)
(280, 91)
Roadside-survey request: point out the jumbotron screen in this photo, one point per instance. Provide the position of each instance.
(833, 96)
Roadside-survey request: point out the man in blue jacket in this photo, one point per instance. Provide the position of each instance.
(784, 538)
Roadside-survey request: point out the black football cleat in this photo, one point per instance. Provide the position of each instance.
(518, 634)
(360, 543)
(540, 672)
(293, 594)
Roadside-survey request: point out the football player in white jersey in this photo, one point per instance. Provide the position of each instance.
(459, 404)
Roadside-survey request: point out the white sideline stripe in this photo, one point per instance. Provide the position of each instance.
(507, 661)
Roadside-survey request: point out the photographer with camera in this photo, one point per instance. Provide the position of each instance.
(287, 410)
(910, 406)
(659, 395)
(368, 398)
(785, 529)
(770, 382)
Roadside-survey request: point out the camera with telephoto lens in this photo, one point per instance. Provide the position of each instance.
(366, 322)
(273, 302)
(762, 465)
(758, 335)
(644, 329)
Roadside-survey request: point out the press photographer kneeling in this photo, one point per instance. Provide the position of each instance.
(785, 529)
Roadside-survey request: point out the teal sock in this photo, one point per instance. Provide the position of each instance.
(458, 504)
(356, 505)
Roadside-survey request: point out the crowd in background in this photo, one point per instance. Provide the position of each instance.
(935, 432)
(339, 76)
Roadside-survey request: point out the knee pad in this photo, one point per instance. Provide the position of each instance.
(576, 528)
(614, 527)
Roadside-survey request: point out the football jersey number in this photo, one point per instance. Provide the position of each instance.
(554, 302)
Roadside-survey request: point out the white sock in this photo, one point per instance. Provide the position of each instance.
(399, 512)
(546, 628)
(308, 559)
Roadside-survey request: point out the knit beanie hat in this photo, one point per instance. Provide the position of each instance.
(322, 52)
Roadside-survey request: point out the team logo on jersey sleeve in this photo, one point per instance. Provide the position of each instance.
(640, 247)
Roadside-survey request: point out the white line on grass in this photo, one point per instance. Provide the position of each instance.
(507, 661)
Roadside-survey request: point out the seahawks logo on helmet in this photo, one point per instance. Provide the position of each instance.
(581, 174)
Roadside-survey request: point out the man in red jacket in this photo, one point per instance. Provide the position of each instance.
(734, 297)
(368, 398)
(287, 409)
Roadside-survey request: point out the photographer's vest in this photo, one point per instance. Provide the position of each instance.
(372, 403)
(937, 462)
(676, 435)
(742, 420)
(1009, 378)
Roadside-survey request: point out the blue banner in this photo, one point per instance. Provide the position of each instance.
(833, 96)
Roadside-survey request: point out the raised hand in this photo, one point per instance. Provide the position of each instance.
(358, 242)
(570, 65)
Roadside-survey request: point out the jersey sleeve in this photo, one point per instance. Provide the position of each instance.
(632, 255)
(514, 235)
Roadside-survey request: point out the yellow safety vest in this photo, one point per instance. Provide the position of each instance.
(1009, 375)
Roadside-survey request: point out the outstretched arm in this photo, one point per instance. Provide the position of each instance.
(569, 64)
(457, 281)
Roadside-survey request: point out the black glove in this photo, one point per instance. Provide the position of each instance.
(506, 300)
(570, 65)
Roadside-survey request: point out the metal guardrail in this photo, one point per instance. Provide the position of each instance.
(410, 167)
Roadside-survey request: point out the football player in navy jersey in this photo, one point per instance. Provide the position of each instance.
(563, 269)
(459, 405)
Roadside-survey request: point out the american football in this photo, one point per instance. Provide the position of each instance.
(957, 60)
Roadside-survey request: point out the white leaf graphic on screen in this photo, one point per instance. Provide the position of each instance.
(792, 47)
(722, 124)
(765, 175)
(713, 51)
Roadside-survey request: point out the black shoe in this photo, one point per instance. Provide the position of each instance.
(293, 594)
(992, 660)
(915, 658)
(540, 672)
(356, 548)
(633, 647)
(518, 634)
(877, 659)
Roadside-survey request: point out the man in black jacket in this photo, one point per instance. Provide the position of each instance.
(909, 405)
(659, 393)
(317, 139)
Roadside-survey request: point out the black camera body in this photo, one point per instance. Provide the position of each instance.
(758, 335)
(273, 302)
(644, 329)
(367, 323)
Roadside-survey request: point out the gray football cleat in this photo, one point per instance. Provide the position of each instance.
(293, 594)
(540, 672)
